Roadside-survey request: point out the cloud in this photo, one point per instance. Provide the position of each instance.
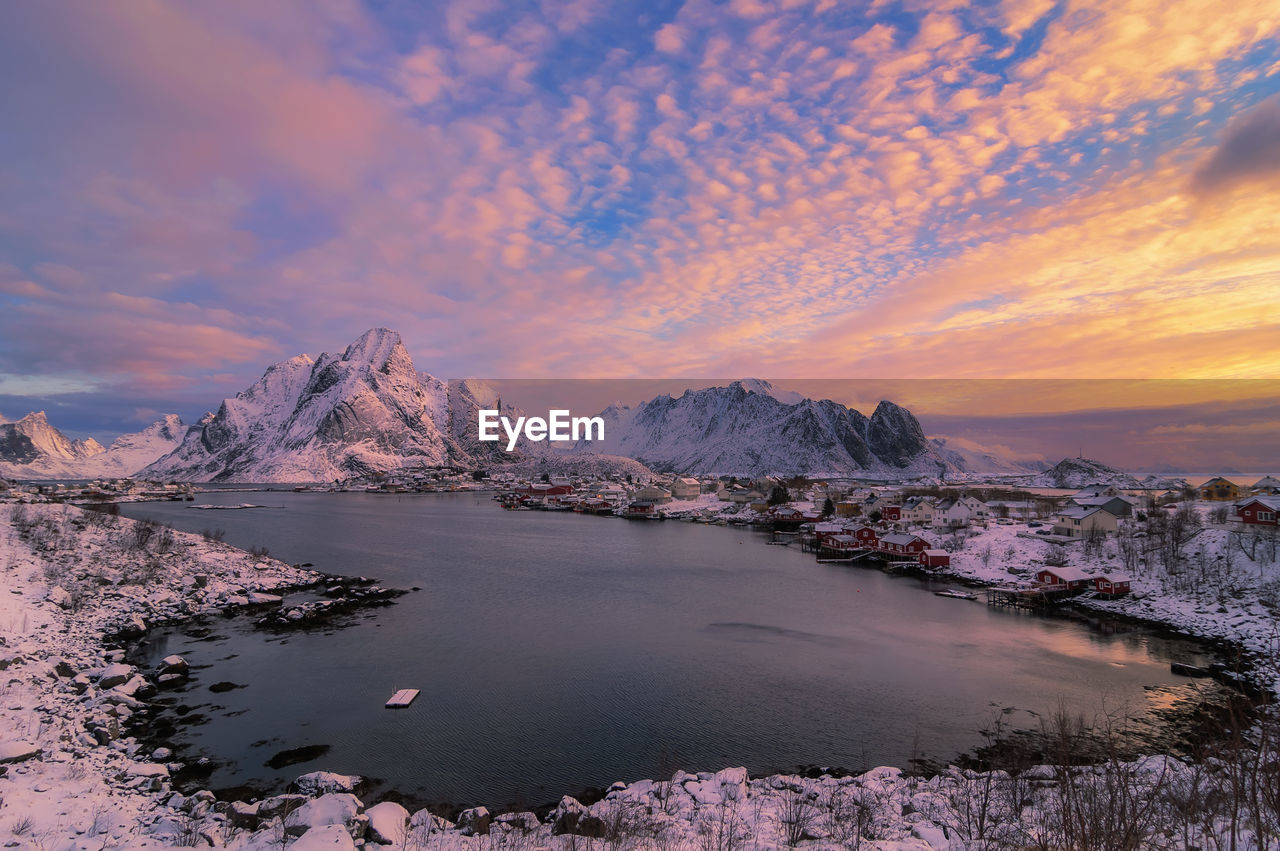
(1250, 151)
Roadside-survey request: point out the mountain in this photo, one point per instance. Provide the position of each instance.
(364, 412)
(750, 428)
(32, 448)
(1078, 473)
(976, 459)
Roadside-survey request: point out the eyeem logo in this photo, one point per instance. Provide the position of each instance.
(557, 426)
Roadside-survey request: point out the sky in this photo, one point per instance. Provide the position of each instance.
(803, 189)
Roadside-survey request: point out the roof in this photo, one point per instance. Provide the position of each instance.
(1081, 512)
(1116, 578)
(1272, 502)
(1219, 479)
(1067, 574)
(899, 538)
(936, 553)
(1267, 482)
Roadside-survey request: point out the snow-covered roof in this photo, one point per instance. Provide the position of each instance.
(1116, 578)
(1067, 573)
(899, 538)
(1081, 512)
(1272, 502)
(936, 553)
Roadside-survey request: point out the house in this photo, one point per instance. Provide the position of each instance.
(1079, 521)
(641, 509)
(892, 513)
(1266, 485)
(1063, 578)
(685, 487)
(1112, 584)
(653, 493)
(1259, 511)
(826, 530)
(867, 537)
(959, 511)
(1219, 488)
(547, 490)
(935, 558)
(1098, 490)
(841, 543)
(904, 544)
(1120, 506)
(918, 510)
(845, 508)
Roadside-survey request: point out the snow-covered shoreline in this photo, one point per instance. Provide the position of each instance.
(75, 581)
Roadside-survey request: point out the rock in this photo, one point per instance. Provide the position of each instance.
(81, 682)
(161, 754)
(241, 815)
(114, 675)
(18, 751)
(329, 837)
(59, 596)
(280, 805)
(565, 817)
(63, 669)
(258, 598)
(173, 679)
(525, 822)
(474, 822)
(324, 782)
(174, 664)
(335, 808)
(388, 823)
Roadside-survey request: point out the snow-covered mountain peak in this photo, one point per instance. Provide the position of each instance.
(377, 347)
(766, 388)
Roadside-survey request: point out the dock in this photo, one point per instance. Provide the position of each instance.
(402, 698)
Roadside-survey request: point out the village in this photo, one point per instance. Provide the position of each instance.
(1030, 548)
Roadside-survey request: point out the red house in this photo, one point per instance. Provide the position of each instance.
(1259, 511)
(904, 544)
(891, 512)
(935, 558)
(867, 537)
(548, 490)
(1063, 578)
(1111, 584)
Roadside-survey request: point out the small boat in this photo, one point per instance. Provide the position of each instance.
(402, 698)
(956, 595)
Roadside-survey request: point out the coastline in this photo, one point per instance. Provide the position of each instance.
(110, 792)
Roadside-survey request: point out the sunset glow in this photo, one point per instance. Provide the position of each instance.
(573, 188)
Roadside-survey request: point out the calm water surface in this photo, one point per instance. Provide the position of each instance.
(557, 651)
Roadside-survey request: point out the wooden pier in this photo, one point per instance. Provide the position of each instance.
(1025, 598)
(402, 698)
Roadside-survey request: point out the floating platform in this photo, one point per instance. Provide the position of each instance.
(402, 698)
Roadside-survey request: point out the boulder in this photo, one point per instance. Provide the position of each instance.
(18, 751)
(566, 816)
(63, 669)
(174, 664)
(388, 823)
(280, 805)
(474, 822)
(327, 837)
(114, 675)
(59, 596)
(240, 815)
(525, 822)
(324, 782)
(335, 808)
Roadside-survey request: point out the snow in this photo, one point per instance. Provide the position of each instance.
(58, 457)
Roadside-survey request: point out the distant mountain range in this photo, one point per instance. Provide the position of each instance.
(31, 448)
(368, 411)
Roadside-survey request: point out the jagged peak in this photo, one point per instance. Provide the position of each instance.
(374, 347)
(34, 418)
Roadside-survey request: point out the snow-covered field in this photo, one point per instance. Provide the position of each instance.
(71, 778)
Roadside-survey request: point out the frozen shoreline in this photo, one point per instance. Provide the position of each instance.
(65, 695)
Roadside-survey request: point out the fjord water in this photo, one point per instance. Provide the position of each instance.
(556, 651)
